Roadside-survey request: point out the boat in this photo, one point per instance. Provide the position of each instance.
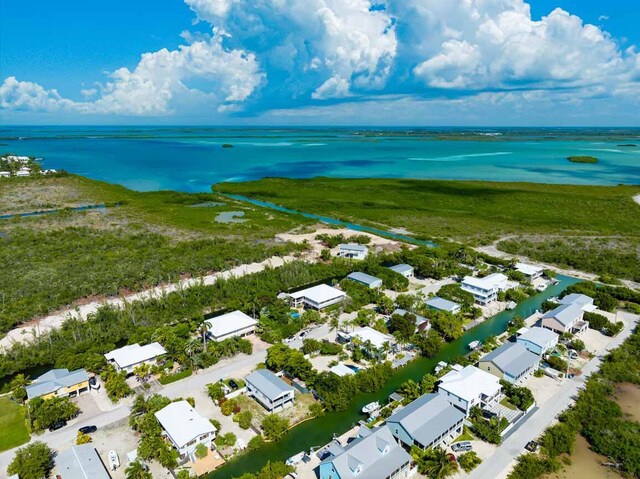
(371, 407)
(293, 460)
(474, 344)
(114, 460)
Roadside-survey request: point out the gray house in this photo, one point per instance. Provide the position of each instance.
(441, 304)
(405, 270)
(374, 454)
(370, 281)
(269, 390)
(80, 462)
(512, 362)
(426, 422)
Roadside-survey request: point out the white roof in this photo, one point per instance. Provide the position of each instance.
(376, 338)
(354, 247)
(183, 423)
(135, 354)
(539, 336)
(342, 370)
(229, 323)
(319, 294)
(585, 302)
(470, 383)
(528, 269)
(488, 282)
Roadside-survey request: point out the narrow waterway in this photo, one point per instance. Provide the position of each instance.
(320, 431)
(331, 221)
(51, 212)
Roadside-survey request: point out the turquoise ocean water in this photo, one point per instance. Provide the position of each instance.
(192, 158)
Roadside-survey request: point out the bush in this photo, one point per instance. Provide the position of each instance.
(559, 439)
(185, 373)
(82, 438)
(274, 427)
(577, 344)
(33, 461)
(520, 397)
(228, 407)
(469, 461)
(532, 466)
(243, 419)
(557, 363)
(601, 323)
(201, 451)
(226, 440)
(216, 391)
(254, 443)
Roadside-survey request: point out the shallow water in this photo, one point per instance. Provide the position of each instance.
(191, 159)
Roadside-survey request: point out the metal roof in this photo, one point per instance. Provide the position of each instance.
(528, 269)
(229, 323)
(268, 383)
(183, 423)
(354, 247)
(442, 304)
(135, 354)
(419, 319)
(376, 455)
(81, 462)
(539, 336)
(55, 379)
(427, 418)
(512, 359)
(469, 382)
(402, 268)
(565, 314)
(581, 300)
(319, 294)
(363, 278)
(487, 283)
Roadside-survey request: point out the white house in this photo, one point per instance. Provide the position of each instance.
(80, 462)
(530, 271)
(566, 318)
(5, 174)
(538, 340)
(376, 339)
(269, 390)
(353, 251)
(318, 297)
(467, 387)
(485, 290)
(441, 304)
(405, 270)
(185, 428)
(585, 302)
(342, 370)
(365, 279)
(230, 325)
(128, 357)
(24, 171)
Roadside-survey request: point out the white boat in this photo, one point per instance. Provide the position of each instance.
(293, 460)
(474, 344)
(114, 460)
(371, 407)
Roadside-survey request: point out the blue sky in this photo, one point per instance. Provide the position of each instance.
(396, 62)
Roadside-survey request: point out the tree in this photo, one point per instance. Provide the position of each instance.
(274, 427)
(577, 344)
(201, 451)
(215, 391)
(429, 343)
(428, 383)
(203, 329)
(45, 412)
(137, 470)
(403, 326)
(82, 438)
(243, 418)
(226, 440)
(228, 407)
(385, 304)
(469, 461)
(409, 389)
(33, 461)
(18, 387)
(433, 462)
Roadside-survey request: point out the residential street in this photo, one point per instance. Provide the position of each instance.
(496, 466)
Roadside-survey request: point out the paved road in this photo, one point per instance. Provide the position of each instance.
(496, 465)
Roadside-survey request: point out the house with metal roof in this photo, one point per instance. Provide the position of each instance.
(485, 290)
(566, 318)
(530, 271)
(422, 323)
(353, 251)
(269, 390)
(185, 428)
(80, 462)
(59, 383)
(366, 279)
(405, 270)
(467, 387)
(317, 297)
(538, 340)
(235, 324)
(441, 304)
(585, 302)
(368, 335)
(511, 362)
(372, 454)
(426, 422)
(128, 357)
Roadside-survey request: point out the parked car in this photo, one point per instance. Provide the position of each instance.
(233, 384)
(303, 334)
(463, 446)
(57, 425)
(531, 446)
(87, 429)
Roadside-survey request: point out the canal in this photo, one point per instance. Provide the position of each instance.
(318, 432)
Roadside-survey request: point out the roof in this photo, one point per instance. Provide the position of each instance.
(135, 354)
(342, 370)
(512, 359)
(229, 323)
(582, 300)
(81, 462)
(55, 379)
(528, 269)
(183, 423)
(427, 418)
(354, 247)
(565, 314)
(470, 383)
(539, 336)
(442, 304)
(488, 282)
(419, 319)
(376, 338)
(319, 294)
(268, 383)
(376, 455)
(363, 278)
(402, 268)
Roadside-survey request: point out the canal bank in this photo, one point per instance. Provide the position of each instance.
(317, 432)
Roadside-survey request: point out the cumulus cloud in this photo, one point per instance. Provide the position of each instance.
(261, 55)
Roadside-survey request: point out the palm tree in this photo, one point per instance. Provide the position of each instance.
(204, 329)
(334, 323)
(434, 462)
(192, 347)
(137, 470)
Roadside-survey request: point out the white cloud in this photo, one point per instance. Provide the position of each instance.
(23, 95)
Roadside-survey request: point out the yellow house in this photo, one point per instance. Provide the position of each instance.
(59, 383)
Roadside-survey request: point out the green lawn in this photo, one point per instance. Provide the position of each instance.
(13, 430)
(465, 436)
(505, 402)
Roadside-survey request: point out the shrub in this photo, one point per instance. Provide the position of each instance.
(215, 391)
(469, 461)
(167, 379)
(82, 438)
(243, 419)
(228, 407)
(557, 363)
(274, 427)
(201, 451)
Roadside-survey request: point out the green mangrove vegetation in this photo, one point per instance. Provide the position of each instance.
(582, 159)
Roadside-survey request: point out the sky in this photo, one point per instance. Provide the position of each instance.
(321, 62)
